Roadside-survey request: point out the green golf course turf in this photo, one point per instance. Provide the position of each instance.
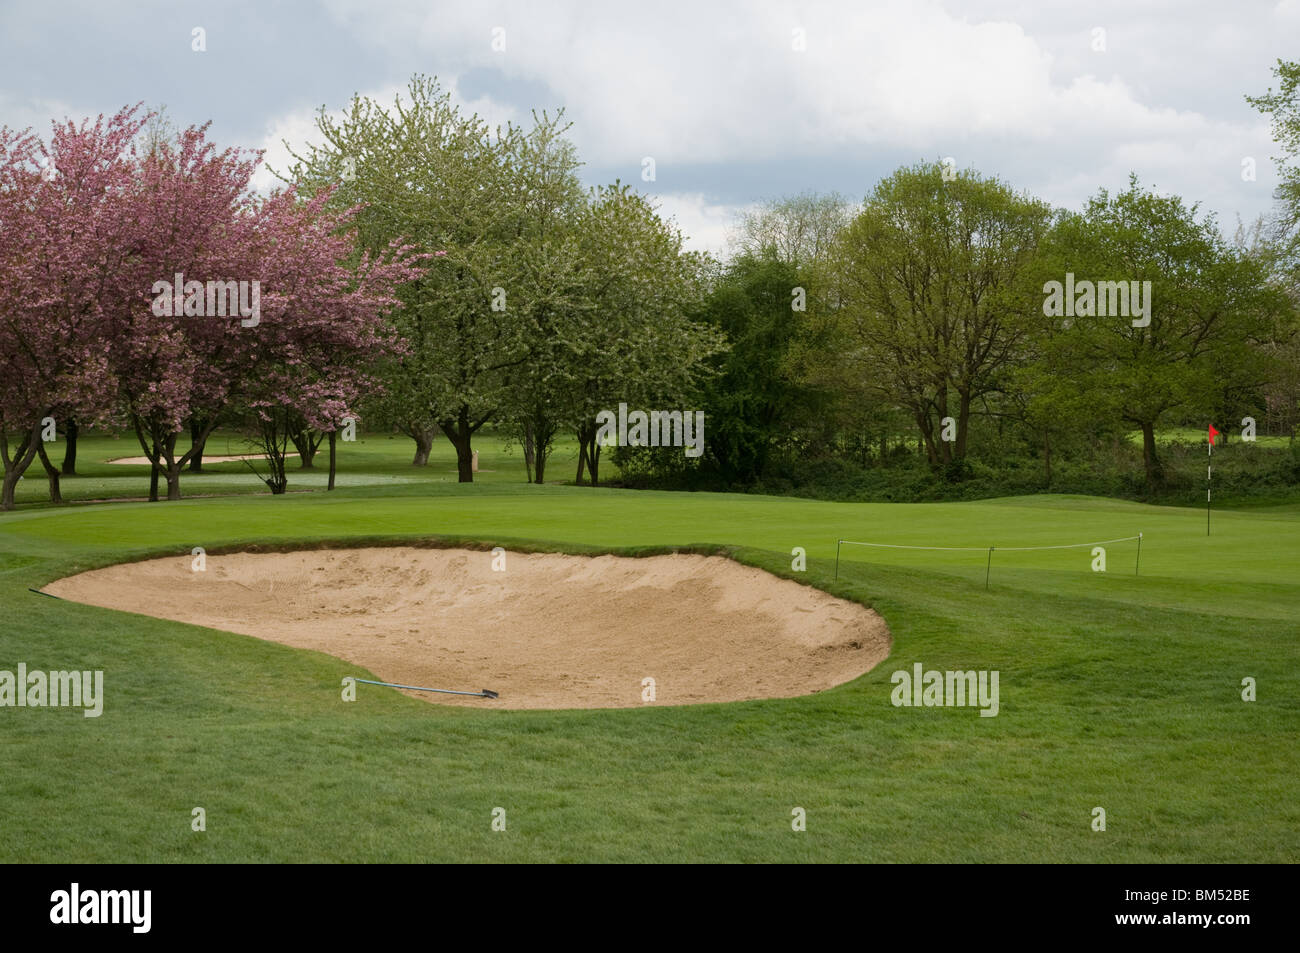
(1117, 690)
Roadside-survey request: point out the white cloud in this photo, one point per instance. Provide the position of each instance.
(721, 83)
(706, 225)
(1007, 86)
(34, 112)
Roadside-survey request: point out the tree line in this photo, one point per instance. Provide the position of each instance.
(950, 320)
(423, 271)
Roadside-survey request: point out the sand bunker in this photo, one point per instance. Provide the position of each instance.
(215, 458)
(551, 631)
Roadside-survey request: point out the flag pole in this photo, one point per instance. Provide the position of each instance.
(1208, 468)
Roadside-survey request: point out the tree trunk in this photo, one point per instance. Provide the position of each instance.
(7, 489)
(70, 451)
(423, 437)
(306, 444)
(173, 474)
(465, 464)
(171, 469)
(593, 460)
(539, 435)
(153, 482)
(963, 425)
(925, 443)
(460, 434)
(1047, 455)
(276, 447)
(528, 452)
(51, 473)
(1149, 459)
(12, 476)
(943, 447)
(198, 440)
(14, 468)
(586, 438)
(334, 457)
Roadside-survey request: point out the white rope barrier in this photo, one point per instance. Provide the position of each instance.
(989, 549)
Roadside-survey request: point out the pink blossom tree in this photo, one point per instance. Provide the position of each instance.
(324, 323)
(179, 353)
(62, 244)
(125, 279)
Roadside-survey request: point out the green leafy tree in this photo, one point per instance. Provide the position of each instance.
(548, 282)
(934, 279)
(640, 343)
(1283, 107)
(1282, 243)
(446, 183)
(1210, 306)
(759, 398)
(800, 230)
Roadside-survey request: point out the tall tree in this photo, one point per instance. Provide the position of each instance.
(324, 322)
(1282, 396)
(64, 239)
(428, 174)
(1283, 107)
(548, 281)
(935, 280)
(800, 230)
(191, 213)
(757, 399)
(642, 343)
(1210, 305)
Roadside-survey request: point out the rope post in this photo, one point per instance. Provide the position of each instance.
(837, 559)
(987, 569)
(1137, 565)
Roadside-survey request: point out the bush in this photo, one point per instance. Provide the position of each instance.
(1243, 472)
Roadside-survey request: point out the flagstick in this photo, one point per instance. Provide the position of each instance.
(1208, 466)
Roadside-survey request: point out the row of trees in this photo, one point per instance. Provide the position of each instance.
(432, 273)
(546, 303)
(833, 327)
(925, 309)
(98, 223)
(420, 269)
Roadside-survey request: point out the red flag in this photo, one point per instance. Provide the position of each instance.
(1213, 433)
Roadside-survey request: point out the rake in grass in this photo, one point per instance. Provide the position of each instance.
(485, 693)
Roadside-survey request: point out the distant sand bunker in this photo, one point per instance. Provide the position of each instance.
(213, 458)
(551, 631)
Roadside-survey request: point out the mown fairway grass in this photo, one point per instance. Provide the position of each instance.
(1116, 692)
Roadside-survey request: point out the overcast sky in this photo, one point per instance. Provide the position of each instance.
(1058, 98)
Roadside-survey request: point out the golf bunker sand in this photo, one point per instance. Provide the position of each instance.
(550, 631)
(214, 458)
